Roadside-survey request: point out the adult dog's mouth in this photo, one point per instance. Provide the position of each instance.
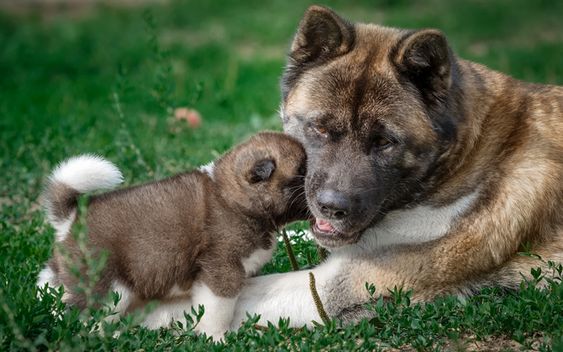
(330, 236)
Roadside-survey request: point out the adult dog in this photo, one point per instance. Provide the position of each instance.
(425, 171)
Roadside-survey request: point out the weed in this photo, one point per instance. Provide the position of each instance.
(105, 83)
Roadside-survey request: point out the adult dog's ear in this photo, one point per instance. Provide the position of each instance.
(424, 59)
(322, 34)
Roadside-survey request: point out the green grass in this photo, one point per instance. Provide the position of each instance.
(105, 81)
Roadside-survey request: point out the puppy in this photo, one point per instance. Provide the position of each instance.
(197, 234)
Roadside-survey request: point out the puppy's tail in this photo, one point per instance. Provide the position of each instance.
(77, 175)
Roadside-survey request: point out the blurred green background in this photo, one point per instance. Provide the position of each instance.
(106, 77)
(65, 66)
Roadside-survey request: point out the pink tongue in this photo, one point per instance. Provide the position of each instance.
(324, 226)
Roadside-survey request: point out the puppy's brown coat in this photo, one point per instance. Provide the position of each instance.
(196, 226)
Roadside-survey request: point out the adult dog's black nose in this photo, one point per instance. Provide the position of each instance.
(333, 204)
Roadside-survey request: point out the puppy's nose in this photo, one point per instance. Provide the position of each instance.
(333, 204)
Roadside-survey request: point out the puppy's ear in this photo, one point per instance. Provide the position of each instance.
(423, 58)
(262, 170)
(322, 34)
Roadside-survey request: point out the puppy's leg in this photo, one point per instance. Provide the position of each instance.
(219, 310)
(54, 277)
(217, 290)
(48, 276)
(167, 312)
(126, 296)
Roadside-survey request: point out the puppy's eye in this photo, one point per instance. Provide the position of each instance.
(319, 131)
(302, 170)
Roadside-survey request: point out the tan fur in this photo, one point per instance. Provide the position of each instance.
(507, 146)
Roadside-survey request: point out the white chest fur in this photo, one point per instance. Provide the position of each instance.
(257, 259)
(417, 225)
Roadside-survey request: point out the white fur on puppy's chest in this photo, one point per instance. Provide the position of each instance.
(253, 263)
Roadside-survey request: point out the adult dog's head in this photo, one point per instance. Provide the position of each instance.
(372, 107)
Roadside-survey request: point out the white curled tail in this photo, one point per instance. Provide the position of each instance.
(72, 177)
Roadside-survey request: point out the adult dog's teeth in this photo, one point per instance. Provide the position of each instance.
(324, 226)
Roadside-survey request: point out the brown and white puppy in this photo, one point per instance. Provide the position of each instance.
(425, 171)
(198, 234)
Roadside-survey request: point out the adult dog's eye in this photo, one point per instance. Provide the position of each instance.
(319, 131)
(381, 143)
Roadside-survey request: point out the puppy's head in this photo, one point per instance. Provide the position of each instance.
(263, 178)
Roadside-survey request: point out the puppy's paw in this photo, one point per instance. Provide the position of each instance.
(217, 334)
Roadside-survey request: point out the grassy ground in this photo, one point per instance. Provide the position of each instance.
(106, 79)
